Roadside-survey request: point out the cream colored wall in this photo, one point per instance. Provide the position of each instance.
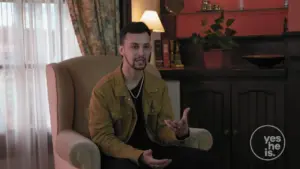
(138, 7)
(174, 93)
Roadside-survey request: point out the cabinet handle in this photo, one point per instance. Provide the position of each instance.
(226, 132)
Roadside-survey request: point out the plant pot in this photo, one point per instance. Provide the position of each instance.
(191, 54)
(217, 59)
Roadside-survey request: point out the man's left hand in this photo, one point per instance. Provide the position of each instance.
(180, 127)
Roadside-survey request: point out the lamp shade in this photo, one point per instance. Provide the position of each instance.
(151, 19)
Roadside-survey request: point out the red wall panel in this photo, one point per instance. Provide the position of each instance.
(255, 22)
(294, 15)
(195, 5)
(262, 4)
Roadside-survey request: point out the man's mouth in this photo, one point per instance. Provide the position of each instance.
(140, 60)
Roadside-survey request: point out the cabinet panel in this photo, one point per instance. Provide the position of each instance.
(255, 104)
(210, 109)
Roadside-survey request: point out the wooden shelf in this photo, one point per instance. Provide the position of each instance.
(231, 11)
(194, 73)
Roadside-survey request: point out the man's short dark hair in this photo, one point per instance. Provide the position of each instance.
(133, 27)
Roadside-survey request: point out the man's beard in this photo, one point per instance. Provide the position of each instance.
(133, 65)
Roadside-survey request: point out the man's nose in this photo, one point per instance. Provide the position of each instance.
(141, 51)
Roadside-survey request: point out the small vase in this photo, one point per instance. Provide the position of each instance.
(217, 59)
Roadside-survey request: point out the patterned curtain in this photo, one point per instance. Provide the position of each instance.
(96, 24)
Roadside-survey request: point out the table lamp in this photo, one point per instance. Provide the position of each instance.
(151, 19)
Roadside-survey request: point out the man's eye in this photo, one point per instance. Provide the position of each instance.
(147, 46)
(135, 47)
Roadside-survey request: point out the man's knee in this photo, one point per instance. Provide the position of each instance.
(206, 158)
(197, 156)
(116, 163)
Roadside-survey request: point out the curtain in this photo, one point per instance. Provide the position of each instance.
(96, 24)
(33, 33)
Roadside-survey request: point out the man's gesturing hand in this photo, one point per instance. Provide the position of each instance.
(181, 127)
(154, 163)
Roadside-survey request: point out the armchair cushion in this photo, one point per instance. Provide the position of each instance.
(78, 150)
(199, 138)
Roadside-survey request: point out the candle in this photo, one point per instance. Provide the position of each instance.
(286, 3)
(241, 4)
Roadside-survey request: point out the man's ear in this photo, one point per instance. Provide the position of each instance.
(121, 50)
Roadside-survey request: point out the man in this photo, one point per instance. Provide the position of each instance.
(131, 119)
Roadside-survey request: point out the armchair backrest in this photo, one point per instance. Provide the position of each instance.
(70, 84)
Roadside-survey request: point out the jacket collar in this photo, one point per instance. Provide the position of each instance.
(120, 86)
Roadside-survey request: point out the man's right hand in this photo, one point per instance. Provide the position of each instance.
(154, 163)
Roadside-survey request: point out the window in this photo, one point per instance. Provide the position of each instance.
(31, 36)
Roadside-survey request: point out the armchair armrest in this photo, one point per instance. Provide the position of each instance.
(199, 138)
(78, 150)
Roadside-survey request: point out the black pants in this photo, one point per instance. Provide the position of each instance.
(182, 158)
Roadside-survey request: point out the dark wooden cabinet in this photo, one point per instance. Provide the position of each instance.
(254, 104)
(231, 111)
(210, 109)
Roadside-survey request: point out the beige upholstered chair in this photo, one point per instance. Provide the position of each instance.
(69, 87)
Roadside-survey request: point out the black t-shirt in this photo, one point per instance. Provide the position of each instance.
(139, 138)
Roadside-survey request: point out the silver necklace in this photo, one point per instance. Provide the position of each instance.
(139, 89)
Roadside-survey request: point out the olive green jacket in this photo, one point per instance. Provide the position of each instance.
(112, 114)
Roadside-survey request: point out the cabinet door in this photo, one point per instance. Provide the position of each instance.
(255, 104)
(210, 109)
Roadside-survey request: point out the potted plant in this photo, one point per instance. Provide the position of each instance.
(215, 41)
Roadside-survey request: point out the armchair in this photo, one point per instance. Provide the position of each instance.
(70, 83)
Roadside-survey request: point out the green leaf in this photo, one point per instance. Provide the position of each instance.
(229, 22)
(230, 32)
(212, 36)
(207, 32)
(219, 33)
(219, 20)
(216, 27)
